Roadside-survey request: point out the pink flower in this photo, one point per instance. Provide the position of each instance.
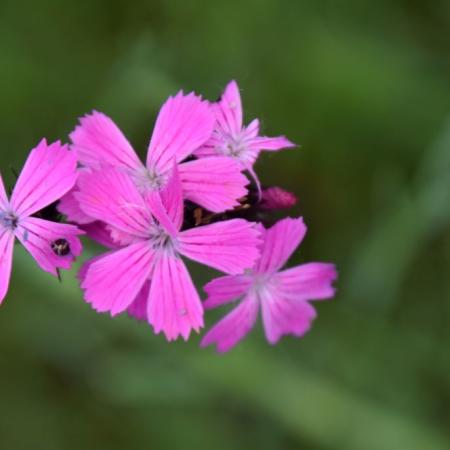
(282, 295)
(184, 123)
(230, 138)
(147, 276)
(49, 172)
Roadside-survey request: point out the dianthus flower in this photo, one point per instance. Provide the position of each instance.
(231, 138)
(49, 172)
(283, 295)
(148, 269)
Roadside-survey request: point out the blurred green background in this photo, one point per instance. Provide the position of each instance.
(364, 88)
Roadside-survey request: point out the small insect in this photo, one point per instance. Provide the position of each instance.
(60, 247)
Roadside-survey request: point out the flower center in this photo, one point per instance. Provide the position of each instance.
(260, 281)
(9, 220)
(149, 179)
(233, 147)
(162, 240)
(262, 286)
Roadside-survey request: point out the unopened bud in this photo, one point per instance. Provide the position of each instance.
(277, 198)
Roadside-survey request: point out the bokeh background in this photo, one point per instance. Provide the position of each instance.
(364, 88)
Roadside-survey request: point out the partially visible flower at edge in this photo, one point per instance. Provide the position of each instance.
(49, 172)
(283, 296)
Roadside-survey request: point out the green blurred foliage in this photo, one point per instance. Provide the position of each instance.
(364, 88)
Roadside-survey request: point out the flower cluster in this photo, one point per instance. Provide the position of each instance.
(197, 197)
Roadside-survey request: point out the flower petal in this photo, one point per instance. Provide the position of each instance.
(226, 333)
(310, 281)
(167, 205)
(280, 241)
(3, 196)
(100, 233)
(172, 198)
(283, 316)
(184, 123)
(97, 141)
(38, 235)
(229, 246)
(111, 196)
(270, 143)
(138, 309)
(6, 257)
(251, 130)
(215, 183)
(174, 305)
(159, 212)
(229, 109)
(81, 275)
(70, 207)
(48, 174)
(112, 282)
(226, 289)
(212, 147)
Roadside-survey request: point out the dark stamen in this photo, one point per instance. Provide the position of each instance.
(9, 220)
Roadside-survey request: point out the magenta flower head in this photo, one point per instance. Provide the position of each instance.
(231, 138)
(49, 172)
(283, 295)
(147, 276)
(184, 123)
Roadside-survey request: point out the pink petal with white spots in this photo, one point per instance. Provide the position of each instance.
(111, 196)
(37, 236)
(310, 281)
(280, 241)
(226, 289)
(48, 174)
(214, 183)
(283, 316)
(184, 123)
(98, 141)
(226, 333)
(112, 282)
(229, 246)
(174, 305)
(6, 257)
